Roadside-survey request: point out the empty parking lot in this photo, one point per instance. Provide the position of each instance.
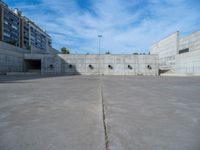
(98, 113)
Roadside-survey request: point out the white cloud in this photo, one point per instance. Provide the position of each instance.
(126, 26)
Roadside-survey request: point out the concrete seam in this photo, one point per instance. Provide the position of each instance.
(104, 120)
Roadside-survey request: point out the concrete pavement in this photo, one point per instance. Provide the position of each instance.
(66, 112)
(53, 113)
(153, 113)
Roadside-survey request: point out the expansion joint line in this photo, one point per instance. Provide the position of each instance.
(104, 119)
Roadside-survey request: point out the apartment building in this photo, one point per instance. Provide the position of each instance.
(33, 36)
(9, 25)
(20, 31)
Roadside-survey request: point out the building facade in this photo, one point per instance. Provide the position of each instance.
(166, 50)
(20, 31)
(180, 55)
(9, 25)
(34, 37)
(188, 56)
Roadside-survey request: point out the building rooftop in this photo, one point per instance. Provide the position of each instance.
(3, 3)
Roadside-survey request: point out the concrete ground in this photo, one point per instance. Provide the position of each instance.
(82, 112)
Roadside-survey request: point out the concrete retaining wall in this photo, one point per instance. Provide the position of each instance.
(119, 64)
(11, 59)
(14, 59)
(47, 60)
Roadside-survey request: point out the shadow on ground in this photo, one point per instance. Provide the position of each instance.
(23, 78)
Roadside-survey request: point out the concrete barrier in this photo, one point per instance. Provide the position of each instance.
(14, 59)
(109, 64)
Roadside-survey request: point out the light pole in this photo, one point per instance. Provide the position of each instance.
(99, 36)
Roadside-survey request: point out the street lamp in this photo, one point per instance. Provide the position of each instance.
(100, 36)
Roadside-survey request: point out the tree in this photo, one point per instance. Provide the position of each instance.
(135, 53)
(65, 50)
(107, 53)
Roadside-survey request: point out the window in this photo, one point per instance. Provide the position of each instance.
(14, 27)
(6, 22)
(183, 51)
(6, 34)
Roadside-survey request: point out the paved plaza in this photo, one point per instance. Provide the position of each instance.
(99, 113)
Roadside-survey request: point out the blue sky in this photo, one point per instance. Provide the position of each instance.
(127, 26)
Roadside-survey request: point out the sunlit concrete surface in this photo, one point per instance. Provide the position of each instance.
(153, 113)
(52, 113)
(65, 112)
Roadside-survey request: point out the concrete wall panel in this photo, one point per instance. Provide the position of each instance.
(188, 63)
(119, 64)
(12, 60)
(192, 42)
(166, 50)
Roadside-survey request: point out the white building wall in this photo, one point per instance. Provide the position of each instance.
(166, 50)
(192, 42)
(189, 63)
